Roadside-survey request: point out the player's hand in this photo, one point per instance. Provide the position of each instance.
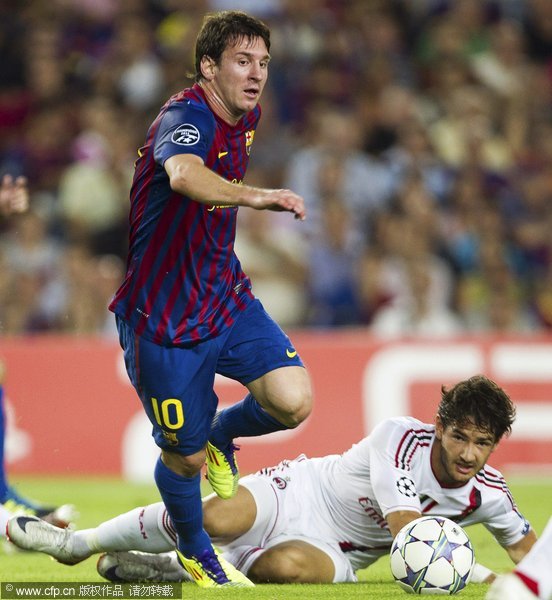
(279, 200)
(482, 574)
(14, 195)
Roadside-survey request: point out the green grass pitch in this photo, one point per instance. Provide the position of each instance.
(98, 499)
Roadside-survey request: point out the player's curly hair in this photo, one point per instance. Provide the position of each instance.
(226, 28)
(478, 400)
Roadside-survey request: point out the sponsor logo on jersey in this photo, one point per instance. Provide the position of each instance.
(222, 153)
(368, 507)
(249, 135)
(212, 208)
(291, 353)
(186, 135)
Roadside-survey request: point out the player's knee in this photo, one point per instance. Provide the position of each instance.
(214, 517)
(187, 466)
(280, 565)
(297, 408)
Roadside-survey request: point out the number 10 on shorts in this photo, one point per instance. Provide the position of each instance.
(168, 413)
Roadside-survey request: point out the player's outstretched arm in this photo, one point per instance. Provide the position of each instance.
(518, 550)
(14, 195)
(396, 520)
(190, 177)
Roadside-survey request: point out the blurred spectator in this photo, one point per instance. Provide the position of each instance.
(14, 195)
(413, 155)
(419, 134)
(504, 65)
(333, 295)
(400, 240)
(42, 152)
(459, 221)
(419, 315)
(91, 282)
(263, 9)
(467, 132)
(137, 72)
(275, 258)
(93, 190)
(533, 223)
(31, 257)
(20, 312)
(538, 30)
(334, 164)
(492, 299)
(542, 303)
(374, 293)
(28, 247)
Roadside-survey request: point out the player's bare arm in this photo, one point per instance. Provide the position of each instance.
(398, 519)
(190, 177)
(518, 550)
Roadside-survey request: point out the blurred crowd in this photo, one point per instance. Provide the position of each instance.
(418, 131)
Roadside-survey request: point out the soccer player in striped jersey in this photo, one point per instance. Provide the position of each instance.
(321, 519)
(185, 310)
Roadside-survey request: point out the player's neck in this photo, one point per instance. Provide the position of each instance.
(217, 105)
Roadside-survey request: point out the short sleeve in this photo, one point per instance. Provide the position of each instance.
(393, 484)
(185, 128)
(506, 523)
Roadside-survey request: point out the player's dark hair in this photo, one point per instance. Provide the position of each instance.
(478, 400)
(223, 29)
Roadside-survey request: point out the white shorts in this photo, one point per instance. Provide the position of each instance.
(281, 517)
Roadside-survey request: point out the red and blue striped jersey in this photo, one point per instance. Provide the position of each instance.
(184, 283)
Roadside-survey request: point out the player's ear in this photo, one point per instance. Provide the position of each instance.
(207, 66)
(439, 427)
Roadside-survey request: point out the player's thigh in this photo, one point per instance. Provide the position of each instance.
(255, 346)
(284, 392)
(293, 561)
(245, 521)
(227, 519)
(175, 386)
(260, 355)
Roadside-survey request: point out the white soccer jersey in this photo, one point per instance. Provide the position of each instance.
(344, 498)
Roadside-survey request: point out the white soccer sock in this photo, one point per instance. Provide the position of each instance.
(537, 564)
(138, 529)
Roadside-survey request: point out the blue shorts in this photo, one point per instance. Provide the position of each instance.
(175, 384)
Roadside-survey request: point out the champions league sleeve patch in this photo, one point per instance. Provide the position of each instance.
(186, 135)
(406, 487)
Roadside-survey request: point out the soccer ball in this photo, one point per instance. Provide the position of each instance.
(432, 555)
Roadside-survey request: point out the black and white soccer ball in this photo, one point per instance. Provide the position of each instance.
(432, 555)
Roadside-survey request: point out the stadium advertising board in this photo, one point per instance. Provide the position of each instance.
(71, 409)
